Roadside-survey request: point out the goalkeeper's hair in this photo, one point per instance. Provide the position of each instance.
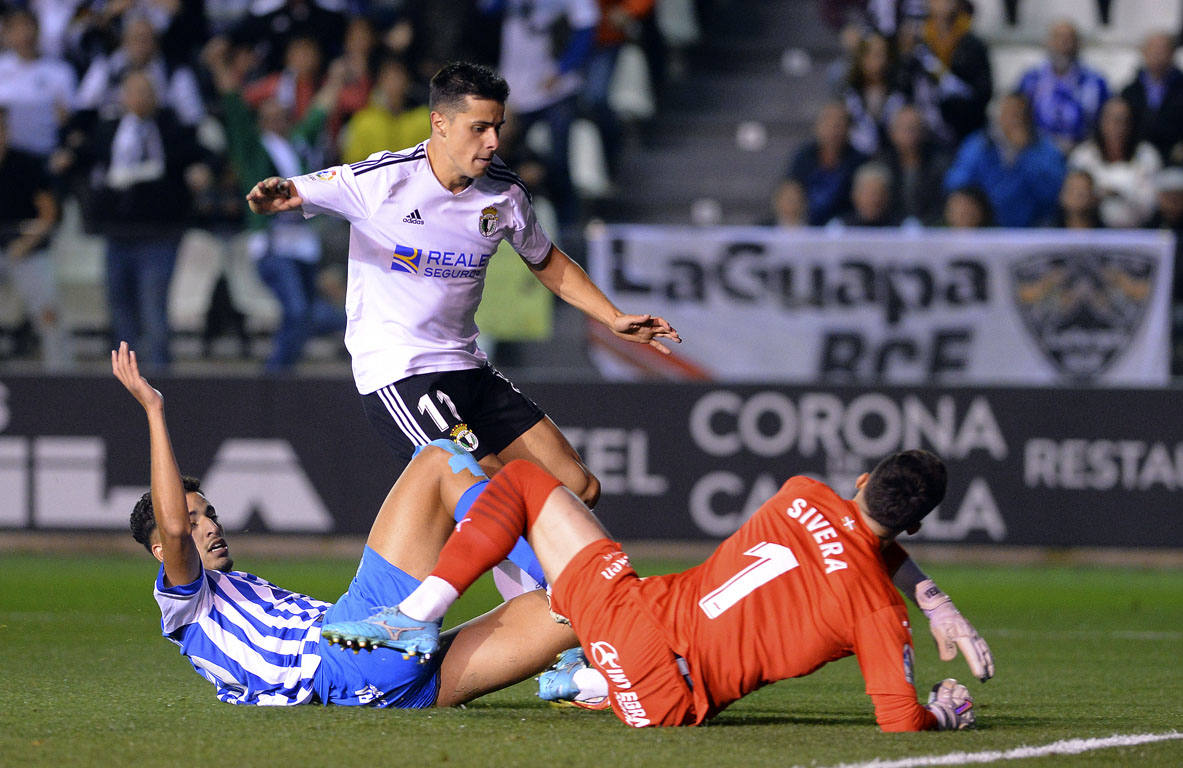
(458, 79)
(143, 518)
(905, 487)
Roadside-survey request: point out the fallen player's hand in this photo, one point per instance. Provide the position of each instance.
(952, 705)
(127, 370)
(952, 631)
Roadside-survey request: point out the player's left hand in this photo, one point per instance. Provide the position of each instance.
(645, 329)
(952, 631)
(952, 705)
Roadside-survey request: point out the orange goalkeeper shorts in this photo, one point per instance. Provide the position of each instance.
(599, 592)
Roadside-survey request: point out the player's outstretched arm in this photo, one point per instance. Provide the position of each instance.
(182, 563)
(567, 280)
(273, 195)
(949, 628)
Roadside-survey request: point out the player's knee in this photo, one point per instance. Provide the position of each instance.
(442, 453)
(580, 482)
(429, 458)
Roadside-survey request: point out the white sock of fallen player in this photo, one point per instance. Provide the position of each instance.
(430, 600)
(592, 685)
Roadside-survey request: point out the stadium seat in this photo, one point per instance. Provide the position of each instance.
(247, 291)
(631, 91)
(678, 23)
(589, 171)
(1118, 64)
(11, 311)
(1036, 16)
(80, 261)
(199, 262)
(1009, 62)
(1130, 21)
(990, 22)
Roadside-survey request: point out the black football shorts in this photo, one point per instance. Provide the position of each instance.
(477, 407)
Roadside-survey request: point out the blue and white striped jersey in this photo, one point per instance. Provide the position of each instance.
(258, 644)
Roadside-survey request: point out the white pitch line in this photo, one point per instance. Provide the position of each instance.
(1118, 634)
(1065, 747)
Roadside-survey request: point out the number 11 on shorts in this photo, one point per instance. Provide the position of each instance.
(772, 561)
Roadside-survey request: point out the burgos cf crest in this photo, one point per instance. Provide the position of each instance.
(488, 222)
(1083, 307)
(406, 259)
(464, 437)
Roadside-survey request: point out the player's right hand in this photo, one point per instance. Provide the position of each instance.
(952, 705)
(273, 194)
(953, 632)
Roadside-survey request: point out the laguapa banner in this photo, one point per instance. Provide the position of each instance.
(870, 306)
(1065, 467)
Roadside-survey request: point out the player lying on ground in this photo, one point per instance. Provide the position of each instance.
(259, 644)
(800, 584)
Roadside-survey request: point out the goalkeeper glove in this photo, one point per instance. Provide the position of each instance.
(952, 705)
(951, 631)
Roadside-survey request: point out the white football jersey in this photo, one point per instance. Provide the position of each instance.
(418, 255)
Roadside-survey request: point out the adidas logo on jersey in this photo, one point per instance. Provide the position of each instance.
(413, 217)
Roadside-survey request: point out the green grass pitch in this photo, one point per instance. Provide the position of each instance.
(86, 679)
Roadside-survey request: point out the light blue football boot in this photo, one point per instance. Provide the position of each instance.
(388, 628)
(557, 684)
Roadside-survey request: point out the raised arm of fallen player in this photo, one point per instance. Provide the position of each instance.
(273, 194)
(182, 562)
(949, 628)
(567, 280)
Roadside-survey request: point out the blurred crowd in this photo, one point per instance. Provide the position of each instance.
(920, 132)
(154, 117)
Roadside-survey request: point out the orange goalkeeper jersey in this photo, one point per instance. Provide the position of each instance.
(800, 584)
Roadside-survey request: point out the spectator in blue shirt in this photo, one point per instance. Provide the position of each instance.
(1065, 95)
(1020, 171)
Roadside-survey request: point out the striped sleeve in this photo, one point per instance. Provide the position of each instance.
(352, 191)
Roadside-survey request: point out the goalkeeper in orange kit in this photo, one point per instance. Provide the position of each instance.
(807, 580)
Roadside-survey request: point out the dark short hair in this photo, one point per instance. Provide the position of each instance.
(1130, 145)
(458, 79)
(905, 487)
(143, 518)
(979, 197)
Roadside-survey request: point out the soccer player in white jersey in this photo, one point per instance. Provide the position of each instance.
(260, 644)
(424, 223)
